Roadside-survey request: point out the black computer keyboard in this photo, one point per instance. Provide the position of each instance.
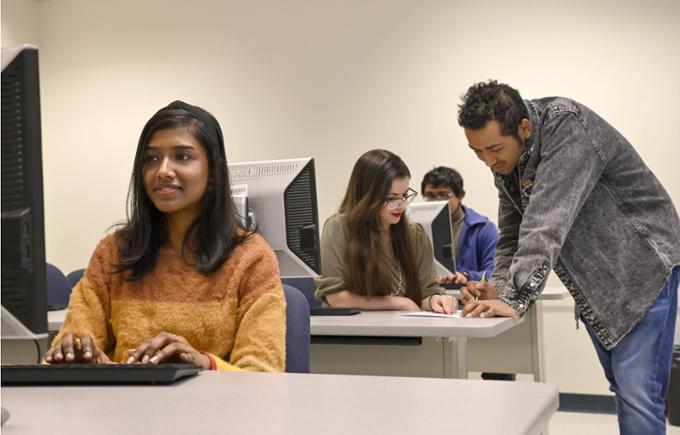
(331, 311)
(37, 374)
(453, 286)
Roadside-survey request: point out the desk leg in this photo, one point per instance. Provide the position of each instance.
(455, 358)
(537, 354)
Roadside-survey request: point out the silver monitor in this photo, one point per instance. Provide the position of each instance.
(435, 218)
(281, 202)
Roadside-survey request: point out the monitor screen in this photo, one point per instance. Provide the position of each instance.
(436, 220)
(24, 294)
(281, 202)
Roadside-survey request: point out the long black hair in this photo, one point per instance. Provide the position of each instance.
(217, 229)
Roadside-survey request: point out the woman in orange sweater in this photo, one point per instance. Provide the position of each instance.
(182, 280)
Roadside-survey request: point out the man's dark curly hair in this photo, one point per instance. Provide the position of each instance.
(492, 101)
(444, 176)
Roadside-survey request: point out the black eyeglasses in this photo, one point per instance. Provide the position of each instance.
(437, 196)
(394, 202)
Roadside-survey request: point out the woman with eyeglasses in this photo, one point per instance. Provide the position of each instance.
(371, 256)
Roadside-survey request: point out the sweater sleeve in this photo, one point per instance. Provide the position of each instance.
(260, 343)
(89, 307)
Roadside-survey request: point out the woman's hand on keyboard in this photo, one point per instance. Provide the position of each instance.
(167, 347)
(73, 349)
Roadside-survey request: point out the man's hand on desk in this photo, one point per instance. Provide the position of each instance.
(475, 290)
(73, 349)
(481, 300)
(488, 308)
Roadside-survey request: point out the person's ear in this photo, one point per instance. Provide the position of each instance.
(524, 129)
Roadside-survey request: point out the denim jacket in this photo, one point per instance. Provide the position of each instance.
(583, 203)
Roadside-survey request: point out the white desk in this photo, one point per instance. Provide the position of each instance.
(55, 319)
(390, 324)
(446, 347)
(520, 350)
(450, 347)
(266, 403)
(369, 343)
(446, 350)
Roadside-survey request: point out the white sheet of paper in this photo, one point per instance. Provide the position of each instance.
(429, 314)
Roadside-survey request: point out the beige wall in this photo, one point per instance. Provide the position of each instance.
(328, 79)
(19, 22)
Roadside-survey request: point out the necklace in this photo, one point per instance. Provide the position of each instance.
(397, 292)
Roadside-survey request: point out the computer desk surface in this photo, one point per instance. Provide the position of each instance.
(502, 345)
(365, 343)
(391, 324)
(450, 347)
(282, 403)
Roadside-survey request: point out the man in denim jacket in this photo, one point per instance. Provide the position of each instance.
(575, 197)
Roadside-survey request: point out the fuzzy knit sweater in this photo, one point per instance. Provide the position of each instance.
(236, 314)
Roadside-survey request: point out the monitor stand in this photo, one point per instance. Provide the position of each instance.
(13, 329)
(5, 416)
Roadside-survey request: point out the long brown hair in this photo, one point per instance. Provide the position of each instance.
(367, 190)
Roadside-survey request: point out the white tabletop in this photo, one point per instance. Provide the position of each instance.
(383, 323)
(55, 319)
(259, 403)
(389, 324)
(554, 293)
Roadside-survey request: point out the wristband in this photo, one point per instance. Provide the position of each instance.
(213, 364)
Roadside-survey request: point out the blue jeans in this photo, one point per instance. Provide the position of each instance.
(638, 368)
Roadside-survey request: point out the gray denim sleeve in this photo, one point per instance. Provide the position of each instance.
(510, 219)
(571, 164)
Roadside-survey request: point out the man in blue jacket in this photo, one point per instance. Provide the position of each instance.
(575, 197)
(474, 235)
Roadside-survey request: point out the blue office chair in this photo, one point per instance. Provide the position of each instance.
(58, 287)
(306, 285)
(75, 276)
(297, 331)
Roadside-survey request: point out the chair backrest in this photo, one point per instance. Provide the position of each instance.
(306, 285)
(297, 331)
(75, 276)
(58, 287)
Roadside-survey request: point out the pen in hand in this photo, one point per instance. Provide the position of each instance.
(482, 280)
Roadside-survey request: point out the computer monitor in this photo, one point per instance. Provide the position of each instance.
(435, 218)
(281, 202)
(24, 294)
